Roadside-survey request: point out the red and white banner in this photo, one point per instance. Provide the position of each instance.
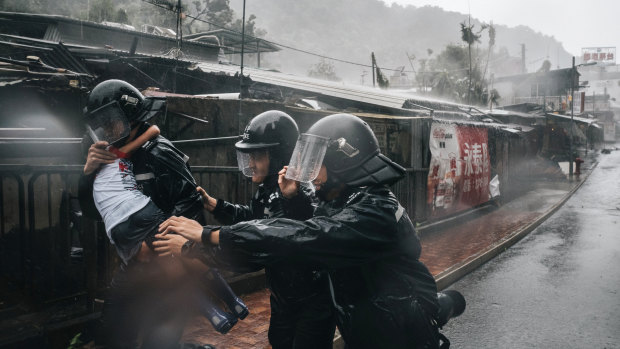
(460, 170)
(603, 55)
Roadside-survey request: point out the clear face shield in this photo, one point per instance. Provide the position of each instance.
(108, 123)
(307, 158)
(253, 163)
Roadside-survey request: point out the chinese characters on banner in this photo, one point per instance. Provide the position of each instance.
(459, 173)
(604, 55)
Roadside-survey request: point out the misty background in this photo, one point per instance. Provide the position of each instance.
(329, 32)
(352, 29)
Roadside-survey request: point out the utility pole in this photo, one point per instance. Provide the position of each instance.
(241, 71)
(373, 70)
(179, 33)
(523, 68)
(572, 123)
(491, 93)
(179, 38)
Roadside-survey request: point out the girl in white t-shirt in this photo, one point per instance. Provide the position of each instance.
(129, 216)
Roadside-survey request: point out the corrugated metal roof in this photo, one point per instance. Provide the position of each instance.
(231, 41)
(501, 112)
(575, 118)
(364, 94)
(54, 54)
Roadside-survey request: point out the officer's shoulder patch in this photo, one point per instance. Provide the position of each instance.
(353, 197)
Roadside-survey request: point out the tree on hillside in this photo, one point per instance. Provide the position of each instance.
(468, 36)
(450, 77)
(102, 10)
(64, 8)
(323, 70)
(382, 81)
(545, 67)
(423, 77)
(121, 16)
(217, 14)
(250, 27)
(444, 85)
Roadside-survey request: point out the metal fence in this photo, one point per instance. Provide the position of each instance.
(48, 251)
(39, 242)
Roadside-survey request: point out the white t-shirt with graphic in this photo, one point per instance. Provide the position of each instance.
(116, 193)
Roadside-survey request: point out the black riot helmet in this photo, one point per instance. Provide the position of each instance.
(348, 148)
(274, 131)
(135, 106)
(113, 105)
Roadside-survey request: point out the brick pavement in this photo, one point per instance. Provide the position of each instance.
(248, 333)
(441, 250)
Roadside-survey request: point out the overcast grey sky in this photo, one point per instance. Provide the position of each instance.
(577, 24)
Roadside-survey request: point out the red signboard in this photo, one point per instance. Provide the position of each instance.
(460, 171)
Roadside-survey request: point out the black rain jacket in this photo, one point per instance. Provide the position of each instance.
(383, 295)
(289, 284)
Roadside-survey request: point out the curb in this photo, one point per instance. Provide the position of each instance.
(430, 227)
(452, 274)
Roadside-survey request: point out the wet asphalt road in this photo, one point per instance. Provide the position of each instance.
(559, 286)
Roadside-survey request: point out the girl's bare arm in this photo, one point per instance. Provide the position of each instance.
(149, 134)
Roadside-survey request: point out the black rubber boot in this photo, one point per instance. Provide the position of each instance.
(221, 289)
(221, 320)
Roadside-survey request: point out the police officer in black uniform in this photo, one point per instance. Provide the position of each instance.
(384, 297)
(162, 172)
(301, 313)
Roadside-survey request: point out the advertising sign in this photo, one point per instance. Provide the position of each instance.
(460, 170)
(602, 55)
(609, 131)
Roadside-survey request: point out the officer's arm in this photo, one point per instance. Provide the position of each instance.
(300, 206)
(229, 213)
(296, 200)
(361, 232)
(356, 235)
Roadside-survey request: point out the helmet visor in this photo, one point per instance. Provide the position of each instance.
(307, 158)
(108, 123)
(253, 163)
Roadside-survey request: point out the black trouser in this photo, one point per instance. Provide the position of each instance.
(384, 322)
(305, 324)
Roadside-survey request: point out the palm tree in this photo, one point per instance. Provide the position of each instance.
(491, 44)
(468, 35)
(444, 84)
